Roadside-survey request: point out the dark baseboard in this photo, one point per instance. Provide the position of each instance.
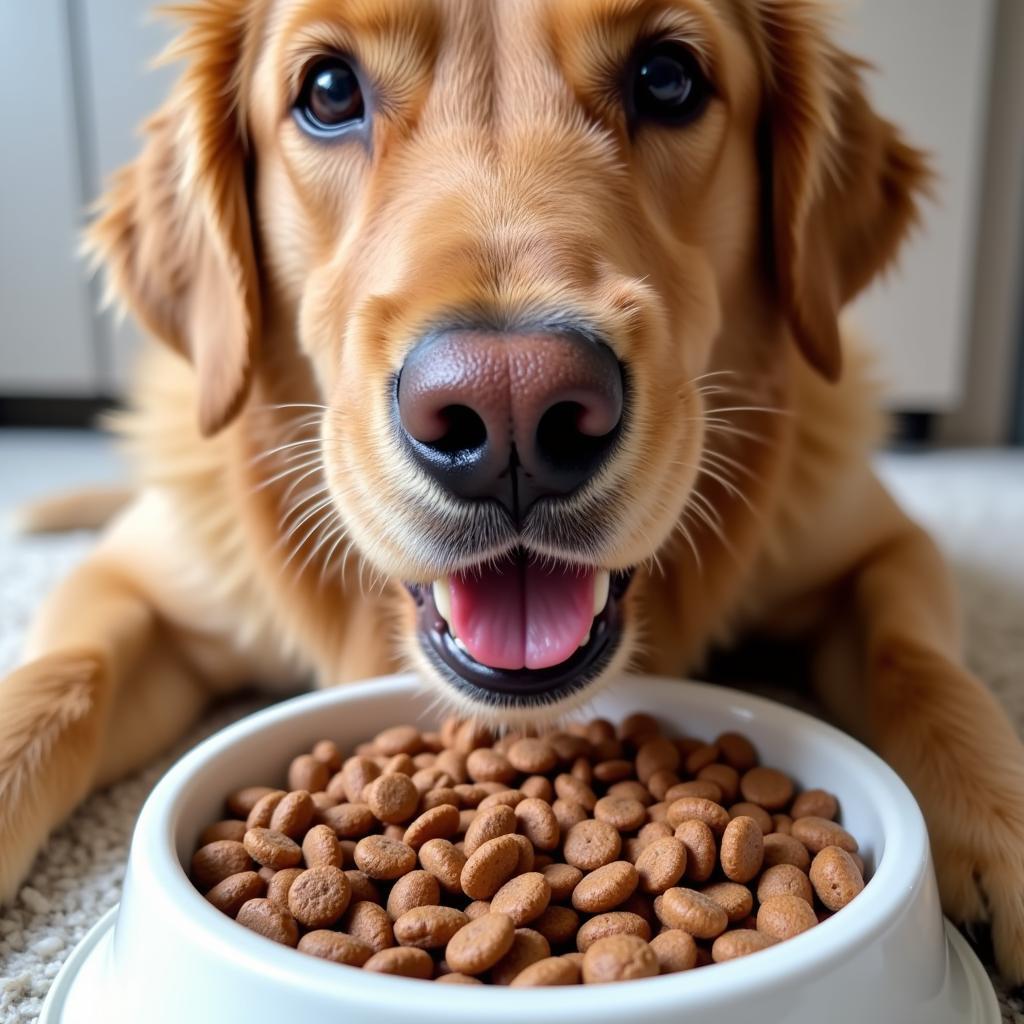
(37, 411)
(912, 430)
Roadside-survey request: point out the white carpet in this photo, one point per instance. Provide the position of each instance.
(972, 502)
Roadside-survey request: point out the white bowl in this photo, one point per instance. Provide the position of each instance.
(171, 957)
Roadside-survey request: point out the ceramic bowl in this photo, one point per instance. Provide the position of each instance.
(166, 956)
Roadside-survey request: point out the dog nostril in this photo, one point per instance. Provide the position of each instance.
(464, 431)
(564, 442)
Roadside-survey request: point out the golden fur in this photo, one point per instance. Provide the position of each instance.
(275, 518)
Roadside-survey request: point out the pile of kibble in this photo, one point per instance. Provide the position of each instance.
(592, 854)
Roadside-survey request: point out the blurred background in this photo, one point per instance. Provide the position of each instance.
(948, 322)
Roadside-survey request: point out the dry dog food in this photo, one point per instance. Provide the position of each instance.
(590, 855)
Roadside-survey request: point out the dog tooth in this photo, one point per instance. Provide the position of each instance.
(443, 600)
(601, 583)
(585, 640)
(458, 643)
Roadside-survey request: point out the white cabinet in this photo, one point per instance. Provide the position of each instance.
(46, 329)
(933, 80)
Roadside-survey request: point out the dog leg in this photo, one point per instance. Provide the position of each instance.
(104, 691)
(940, 728)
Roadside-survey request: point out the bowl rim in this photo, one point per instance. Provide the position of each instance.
(900, 871)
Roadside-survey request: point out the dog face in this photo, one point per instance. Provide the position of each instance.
(511, 241)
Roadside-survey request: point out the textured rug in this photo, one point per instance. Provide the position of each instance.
(972, 502)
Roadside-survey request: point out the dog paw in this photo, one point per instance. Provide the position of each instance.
(983, 882)
(47, 710)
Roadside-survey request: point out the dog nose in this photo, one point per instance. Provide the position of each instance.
(513, 417)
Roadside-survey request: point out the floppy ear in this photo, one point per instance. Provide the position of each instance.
(843, 184)
(174, 228)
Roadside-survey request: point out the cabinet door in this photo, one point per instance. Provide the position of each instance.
(46, 332)
(120, 39)
(933, 67)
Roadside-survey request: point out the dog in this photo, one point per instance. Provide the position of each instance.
(502, 339)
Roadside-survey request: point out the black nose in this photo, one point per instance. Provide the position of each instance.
(513, 417)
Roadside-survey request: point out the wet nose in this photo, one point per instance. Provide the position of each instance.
(511, 417)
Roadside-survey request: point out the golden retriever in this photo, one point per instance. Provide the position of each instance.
(501, 337)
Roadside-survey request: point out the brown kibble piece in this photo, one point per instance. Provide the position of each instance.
(523, 898)
(552, 970)
(725, 777)
(480, 944)
(487, 765)
(230, 828)
(765, 822)
(617, 922)
(815, 803)
(783, 849)
(308, 773)
(782, 917)
(591, 844)
(735, 899)
(835, 877)
(784, 879)
(263, 810)
(489, 823)
(327, 753)
(767, 788)
(336, 947)
(456, 978)
(384, 858)
(605, 887)
(695, 808)
(230, 893)
(657, 754)
(404, 961)
(817, 833)
(567, 787)
(618, 958)
(399, 739)
(320, 847)
(370, 923)
(279, 886)
(489, 868)
(701, 851)
(428, 927)
(356, 774)
(363, 887)
(557, 924)
(241, 801)
(528, 947)
(692, 911)
(742, 849)
(349, 821)
(621, 812)
(218, 860)
(393, 798)
(319, 896)
(568, 813)
(272, 849)
(416, 889)
(676, 951)
(741, 942)
(268, 919)
(441, 822)
(532, 756)
(562, 878)
(661, 864)
(536, 820)
(737, 751)
(444, 861)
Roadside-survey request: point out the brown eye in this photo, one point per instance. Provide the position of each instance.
(331, 99)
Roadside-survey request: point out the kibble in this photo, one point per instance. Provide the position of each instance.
(529, 860)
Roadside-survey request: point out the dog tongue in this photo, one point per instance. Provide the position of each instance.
(517, 615)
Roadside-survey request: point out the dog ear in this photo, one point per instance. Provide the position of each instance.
(843, 184)
(174, 228)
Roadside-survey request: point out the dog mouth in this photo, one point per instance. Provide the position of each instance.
(523, 629)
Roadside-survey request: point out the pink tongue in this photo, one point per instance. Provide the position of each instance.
(511, 616)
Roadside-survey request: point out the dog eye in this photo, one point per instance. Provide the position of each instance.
(668, 84)
(331, 98)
